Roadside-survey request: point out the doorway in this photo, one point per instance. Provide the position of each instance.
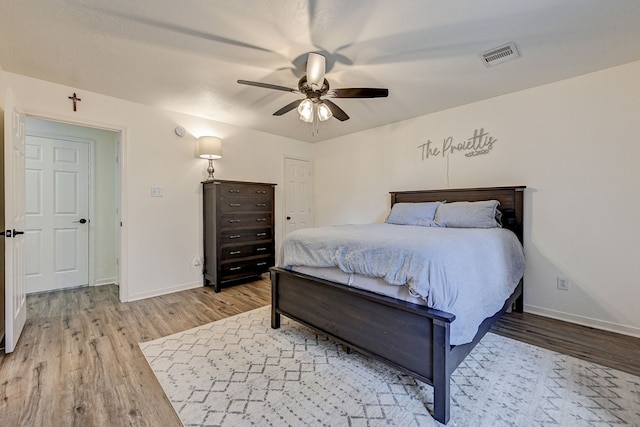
(72, 200)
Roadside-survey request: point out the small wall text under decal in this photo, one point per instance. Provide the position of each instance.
(480, 143)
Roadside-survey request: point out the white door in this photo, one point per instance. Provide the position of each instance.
(57, 209)
(298, 201)
(14, 203)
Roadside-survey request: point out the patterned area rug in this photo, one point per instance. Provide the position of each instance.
(238, 371)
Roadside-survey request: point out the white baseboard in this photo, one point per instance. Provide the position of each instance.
(584, 321)
(105, 281)
(165, 291)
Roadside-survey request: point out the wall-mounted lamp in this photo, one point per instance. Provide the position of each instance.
(210, 147)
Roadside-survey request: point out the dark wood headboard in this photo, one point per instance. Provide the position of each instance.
(510, 198)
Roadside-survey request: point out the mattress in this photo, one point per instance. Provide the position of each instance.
(372, 284)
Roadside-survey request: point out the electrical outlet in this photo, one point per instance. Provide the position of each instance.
(563, 283)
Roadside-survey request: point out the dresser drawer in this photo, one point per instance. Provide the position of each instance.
(238, 269)
(229, 252)
(245, 235)
(244, 220)
(244, 204)
(235, 189)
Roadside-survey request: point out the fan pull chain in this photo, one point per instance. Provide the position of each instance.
(314, 124)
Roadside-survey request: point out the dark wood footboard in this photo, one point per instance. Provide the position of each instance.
(385, 328)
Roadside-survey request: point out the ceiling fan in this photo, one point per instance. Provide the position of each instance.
(314, 86)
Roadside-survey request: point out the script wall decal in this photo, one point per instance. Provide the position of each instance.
(480, 143)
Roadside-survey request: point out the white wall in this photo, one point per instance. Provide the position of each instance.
(161, 236)
(1, 86)
(574, 144)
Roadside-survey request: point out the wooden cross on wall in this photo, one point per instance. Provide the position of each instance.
(75, 99)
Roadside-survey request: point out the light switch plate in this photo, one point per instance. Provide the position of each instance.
(157, 192)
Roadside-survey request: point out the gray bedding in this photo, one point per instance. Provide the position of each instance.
(466, 272)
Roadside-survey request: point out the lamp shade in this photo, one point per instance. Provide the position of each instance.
(324, 112)
(210, 147)
(306, 110)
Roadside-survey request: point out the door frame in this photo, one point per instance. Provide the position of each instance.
(121, 236)
(90, 199)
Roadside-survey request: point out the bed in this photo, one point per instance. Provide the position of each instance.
(412, 338)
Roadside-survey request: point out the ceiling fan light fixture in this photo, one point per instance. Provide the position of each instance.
(324, 112)
(313, 86)
(306, 110)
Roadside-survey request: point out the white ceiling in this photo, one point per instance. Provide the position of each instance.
(187, 55)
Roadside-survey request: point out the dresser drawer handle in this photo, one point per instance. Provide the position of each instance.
(260, 249)
(235, 268)
(261, 191)
(234, 205)
(261, 219)
(261, 264)
(260, 234)
(234, 191)
(235, 252)
(235, 236)
(234, 220)
(261, 205)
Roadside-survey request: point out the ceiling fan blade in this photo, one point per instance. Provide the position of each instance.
(316, 66)
(363, 92)
(288, 107)
(337, 112)
(267, 86)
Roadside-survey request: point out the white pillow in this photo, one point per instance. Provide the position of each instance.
(413, 213)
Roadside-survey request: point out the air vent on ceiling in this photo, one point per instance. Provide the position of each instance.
(500, 54)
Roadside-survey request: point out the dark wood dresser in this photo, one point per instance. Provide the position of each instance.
(238, 231)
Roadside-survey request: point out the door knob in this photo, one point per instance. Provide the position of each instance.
(288, 218)
(81, 221)
(16, 232)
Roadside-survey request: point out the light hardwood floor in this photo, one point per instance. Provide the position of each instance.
(78, 362)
